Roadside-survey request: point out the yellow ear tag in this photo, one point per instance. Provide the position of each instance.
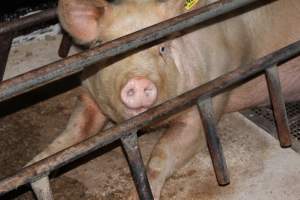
(190, 3)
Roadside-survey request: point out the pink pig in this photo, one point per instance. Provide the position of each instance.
(131, 85)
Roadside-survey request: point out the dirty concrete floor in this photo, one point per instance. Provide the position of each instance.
(259, 168)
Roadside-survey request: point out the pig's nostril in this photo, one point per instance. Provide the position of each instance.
(130, 92)
(148, 91)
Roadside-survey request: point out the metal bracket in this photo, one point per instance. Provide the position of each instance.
(213, 141)
(278, 105)
(135, 161)
(65, 45)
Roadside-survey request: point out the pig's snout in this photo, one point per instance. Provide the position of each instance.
(139, 93)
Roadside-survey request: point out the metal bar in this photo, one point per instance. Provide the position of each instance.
(213, 142)
(65, 46)
(76, 63)
(42, 189)
(135, 161)
(5, 43)
(28, 21)
(8, 30)
(278, 105)
(153, 115)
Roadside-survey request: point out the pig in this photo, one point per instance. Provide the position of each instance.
(132, 85)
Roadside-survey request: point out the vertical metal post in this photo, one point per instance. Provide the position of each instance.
(278, 105)
(213, 141)
(5, 44)
(65, 45)
(131, 148)
(42, 189)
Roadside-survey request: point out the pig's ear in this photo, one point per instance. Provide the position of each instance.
(80, 18)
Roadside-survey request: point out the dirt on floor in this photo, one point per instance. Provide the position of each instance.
(105, 175)
(27, 132)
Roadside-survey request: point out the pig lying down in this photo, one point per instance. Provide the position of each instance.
(131, 85)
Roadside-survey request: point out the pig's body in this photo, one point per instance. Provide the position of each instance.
(132, 85)
(198, 56)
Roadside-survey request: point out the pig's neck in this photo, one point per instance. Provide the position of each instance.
(187, 59)
(210, 51)
(207, 53)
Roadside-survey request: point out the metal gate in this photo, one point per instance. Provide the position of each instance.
(127, 131)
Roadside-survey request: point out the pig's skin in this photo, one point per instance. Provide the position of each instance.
(186, 62)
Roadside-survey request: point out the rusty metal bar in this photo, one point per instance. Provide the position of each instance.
(65, 46)
(8, 30)
(135, 161)
(5, 44)
(213, 142)
(28, 21)
(278, 105)
(158, 113)
(73, 64)
(42, 189)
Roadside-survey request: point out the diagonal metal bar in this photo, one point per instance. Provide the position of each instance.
(5, 42)
(213, 142)
(76, 63)
(42, 188)
(158, 113)
(278, 105)
(135, 161)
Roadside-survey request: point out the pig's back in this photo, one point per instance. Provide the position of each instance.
(273, 26)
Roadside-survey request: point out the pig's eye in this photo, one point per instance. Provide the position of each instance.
(162, 50)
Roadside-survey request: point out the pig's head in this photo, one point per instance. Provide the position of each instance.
(88, 21)
(131, 85)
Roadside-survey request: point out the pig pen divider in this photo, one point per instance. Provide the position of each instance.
(173, 106)
(126, 131)
(9, 30)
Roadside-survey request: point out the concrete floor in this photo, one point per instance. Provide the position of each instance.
(259, 168)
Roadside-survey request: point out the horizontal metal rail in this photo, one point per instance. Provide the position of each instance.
(73, 64)
(173, 106)
(9, 30)
(28, 21)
